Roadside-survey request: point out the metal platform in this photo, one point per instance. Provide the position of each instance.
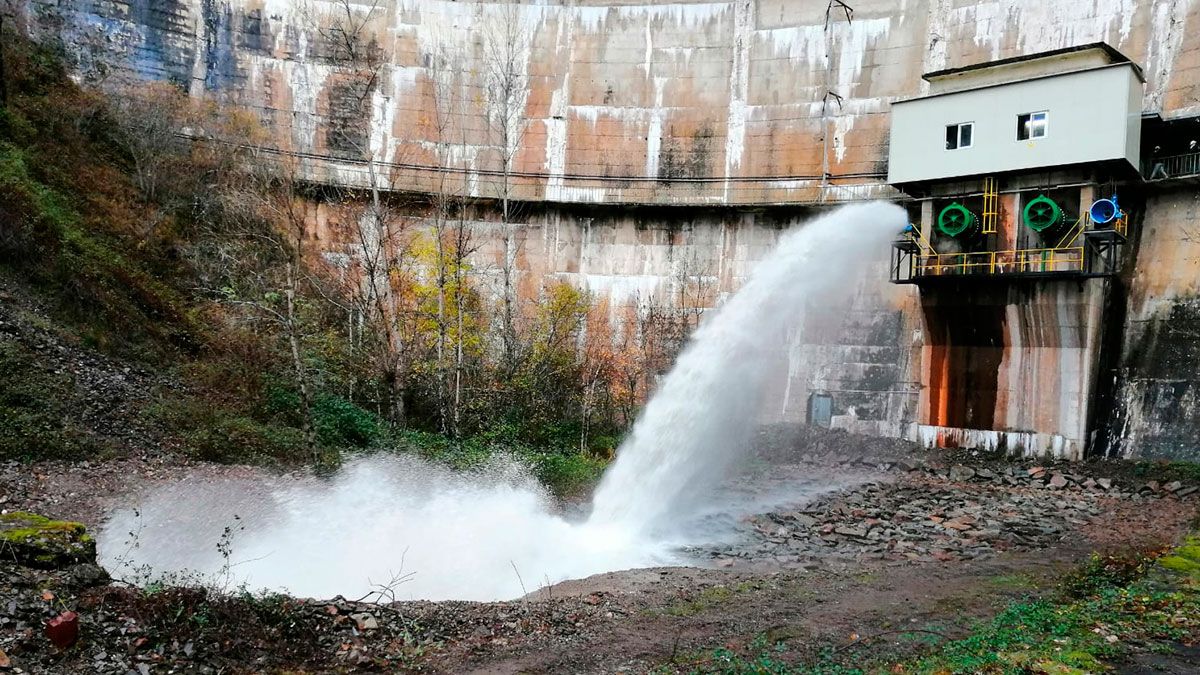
(1089, 253)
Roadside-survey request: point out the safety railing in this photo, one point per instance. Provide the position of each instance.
(1172, 166)
(1022, 261)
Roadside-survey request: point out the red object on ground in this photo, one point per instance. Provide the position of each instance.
(63, 630)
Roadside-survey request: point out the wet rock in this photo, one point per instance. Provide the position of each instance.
(37, 541)
(961, 473)
(960, 523)
(87, 576)
(364, 621)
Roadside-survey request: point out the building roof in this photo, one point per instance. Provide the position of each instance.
(1109, 50)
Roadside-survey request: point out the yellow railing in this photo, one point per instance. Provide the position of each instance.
(1023, 261)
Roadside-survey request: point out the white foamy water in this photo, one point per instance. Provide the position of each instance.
(701, 418)
(496, 534)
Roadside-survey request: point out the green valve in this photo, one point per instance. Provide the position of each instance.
(956, 220)
(1042, 214)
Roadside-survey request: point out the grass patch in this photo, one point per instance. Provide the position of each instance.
(1109, 603)
(1166, 471)
(708, 598)
(1014, 582)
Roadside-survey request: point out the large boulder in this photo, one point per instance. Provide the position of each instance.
(37, 541)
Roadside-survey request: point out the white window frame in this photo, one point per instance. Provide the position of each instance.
(958, 128)
(1045, 127)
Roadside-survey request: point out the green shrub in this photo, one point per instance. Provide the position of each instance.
(283, 403)
(1106, 571)
(214, 432)
(341, 424)
(567, 474)
(241, 439)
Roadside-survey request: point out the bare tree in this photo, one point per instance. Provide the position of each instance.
(343, 29)
(148, 119)
(695, 292)
(452, 244)
(379, 226)
(264, 208)
(507, 86)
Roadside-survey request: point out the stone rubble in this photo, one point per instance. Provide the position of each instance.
(932, 513)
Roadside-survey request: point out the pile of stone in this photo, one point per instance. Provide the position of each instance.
(1032, 476)
(933, 514)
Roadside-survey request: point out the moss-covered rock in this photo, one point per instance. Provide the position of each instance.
(1185, 559)
(38, 541)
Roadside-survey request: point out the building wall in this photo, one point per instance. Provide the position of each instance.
(631, 101)
(1080, 129)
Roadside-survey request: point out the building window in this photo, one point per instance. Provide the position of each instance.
(959, 135)
(1032, 125)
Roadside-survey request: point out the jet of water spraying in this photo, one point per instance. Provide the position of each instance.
(702, 415)
(495, 535)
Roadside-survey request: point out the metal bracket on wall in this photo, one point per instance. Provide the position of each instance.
(840, 5)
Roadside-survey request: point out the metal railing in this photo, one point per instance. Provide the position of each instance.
(1172, 166)
(1020, 261)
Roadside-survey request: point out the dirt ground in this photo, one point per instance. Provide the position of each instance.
(914, 550)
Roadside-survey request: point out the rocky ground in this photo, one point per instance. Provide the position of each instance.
(923, 513)
(105, 395)
(916, 541)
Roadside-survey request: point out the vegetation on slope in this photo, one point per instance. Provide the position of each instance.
(197, 263)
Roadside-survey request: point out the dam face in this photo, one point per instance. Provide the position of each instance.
(658, 149)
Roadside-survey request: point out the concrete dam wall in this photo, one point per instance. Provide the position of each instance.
(662, 147)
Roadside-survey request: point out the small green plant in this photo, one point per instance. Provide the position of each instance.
(1106, 571)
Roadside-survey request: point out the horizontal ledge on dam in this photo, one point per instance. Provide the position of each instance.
(584, 189)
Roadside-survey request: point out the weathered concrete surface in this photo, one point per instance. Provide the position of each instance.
(613, 90)
(1017, 357)
(1156, 406)
(633, 101)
